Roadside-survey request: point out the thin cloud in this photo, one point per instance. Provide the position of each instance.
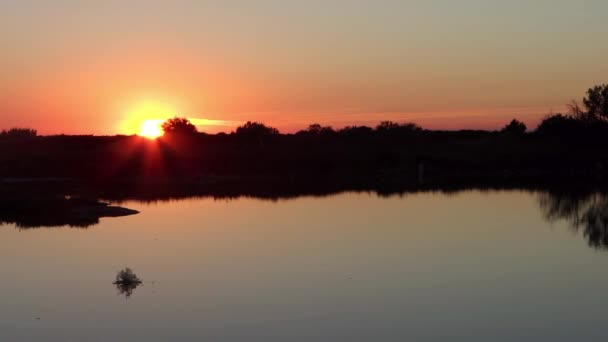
(213, 122)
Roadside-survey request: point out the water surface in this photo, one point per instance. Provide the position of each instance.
(469, 266)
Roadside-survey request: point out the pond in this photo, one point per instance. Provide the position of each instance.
(467, 266)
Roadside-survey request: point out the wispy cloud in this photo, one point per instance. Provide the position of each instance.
(213, 122)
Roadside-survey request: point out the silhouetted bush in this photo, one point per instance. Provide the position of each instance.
(576, 112)
(515, 127)
(127, 276)
(559, 124)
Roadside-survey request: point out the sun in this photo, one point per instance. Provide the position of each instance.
(145, 117)
(151, 129)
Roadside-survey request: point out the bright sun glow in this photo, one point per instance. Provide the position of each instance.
(151, 129)
(145, 118)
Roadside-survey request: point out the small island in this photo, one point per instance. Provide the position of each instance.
(27, 208)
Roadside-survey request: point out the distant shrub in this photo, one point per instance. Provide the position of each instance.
(514, 127)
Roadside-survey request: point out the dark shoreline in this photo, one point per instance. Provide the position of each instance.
(270, 187)
(77, 204)
(29, 209)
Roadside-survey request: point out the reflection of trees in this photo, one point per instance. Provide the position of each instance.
(126, 289)
(586, 212)
(126, 282)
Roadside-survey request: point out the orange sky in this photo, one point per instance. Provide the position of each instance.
(80, 68)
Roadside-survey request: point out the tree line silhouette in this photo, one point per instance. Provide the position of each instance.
(563, 145)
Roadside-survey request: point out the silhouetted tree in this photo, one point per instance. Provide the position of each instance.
(314, 128)
(178, 126)
(410, 127)
(256, 129)
(386, 126)
(252, 132)
(19, 133)
(356, 131)
(515, 127)
(393, 129)
(317, 130)
(596, 102)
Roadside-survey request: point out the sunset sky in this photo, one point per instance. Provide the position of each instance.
(102, 67)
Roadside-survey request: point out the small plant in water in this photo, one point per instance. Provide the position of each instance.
(126, 281)
(127, 276)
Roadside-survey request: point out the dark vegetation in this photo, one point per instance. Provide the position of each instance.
(515, 127)
(563, 147)
(33, 208)
(45, 180)
(18, 133)
(178, 126)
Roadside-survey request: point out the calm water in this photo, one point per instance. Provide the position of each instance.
(471, 266)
